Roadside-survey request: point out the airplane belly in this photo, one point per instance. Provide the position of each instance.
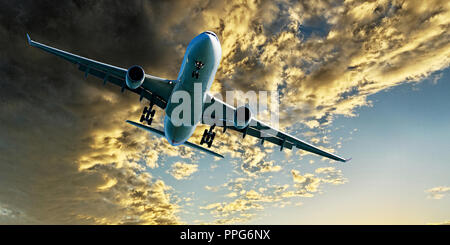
(198, 70)
(177, 135)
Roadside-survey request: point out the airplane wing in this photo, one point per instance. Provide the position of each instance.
(265, 132)
(161, 133)
(154, 89)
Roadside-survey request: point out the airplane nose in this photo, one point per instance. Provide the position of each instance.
(211, 34)
(205, 41)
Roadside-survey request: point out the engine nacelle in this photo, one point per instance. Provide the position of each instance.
(242, 117)
(135, 77)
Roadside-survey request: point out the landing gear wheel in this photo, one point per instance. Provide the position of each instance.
(213, 135)
(195, 74)
(148, 114)
(208, 136)
(204, 137)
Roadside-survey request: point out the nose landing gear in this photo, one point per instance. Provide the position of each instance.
(198, 66)
(148, 114)
(195, 74)
(208, 136)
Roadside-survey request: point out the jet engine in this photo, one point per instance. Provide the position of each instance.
(135, 77)
(242, 117)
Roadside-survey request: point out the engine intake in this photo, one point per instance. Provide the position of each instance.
(135, 77)
(242, 117)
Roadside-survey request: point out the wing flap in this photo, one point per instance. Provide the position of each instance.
(274, 140)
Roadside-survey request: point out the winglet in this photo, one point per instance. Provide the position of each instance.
(29, 39)
(348, 160)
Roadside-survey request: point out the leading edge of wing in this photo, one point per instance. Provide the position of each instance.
(29, 39)
(160, 87)
(117, 71)
(300, 143)
(161, 133)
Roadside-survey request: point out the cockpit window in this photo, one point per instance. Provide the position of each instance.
(212, 33)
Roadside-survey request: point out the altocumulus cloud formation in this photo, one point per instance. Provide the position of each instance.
(182, 170)
(66, 155)
(438, 192)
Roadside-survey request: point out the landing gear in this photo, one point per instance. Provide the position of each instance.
(208, 136)
(148, 114)
(198, 66)
(195, 74)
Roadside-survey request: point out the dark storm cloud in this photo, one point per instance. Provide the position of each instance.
(48, 110)
(124, 31)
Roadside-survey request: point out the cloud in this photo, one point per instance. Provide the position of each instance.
(246, 201)
(447, 222)
(369, 47)
(332, 175)
(306, 183)
(233, 220)
(240, 208)
(231, 194)
(438, 192)
(212, 188)
(9, 214)
(182, 170)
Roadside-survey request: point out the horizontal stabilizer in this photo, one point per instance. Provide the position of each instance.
(161, 133)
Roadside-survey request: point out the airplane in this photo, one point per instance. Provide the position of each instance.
(199, 66)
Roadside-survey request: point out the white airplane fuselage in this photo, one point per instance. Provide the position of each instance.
(204, 48)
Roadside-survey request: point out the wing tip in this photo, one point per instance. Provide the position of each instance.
(348, 159)
(218, 155)
(132, 123)
(29, 39)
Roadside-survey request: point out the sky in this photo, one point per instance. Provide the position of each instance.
(365, 79)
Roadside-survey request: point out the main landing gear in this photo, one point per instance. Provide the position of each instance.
(148, 114)
(208, 136)
(198, 66)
